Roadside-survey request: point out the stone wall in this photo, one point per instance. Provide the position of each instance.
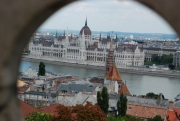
(20, 18)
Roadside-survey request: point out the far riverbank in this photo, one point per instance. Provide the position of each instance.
(140, 71)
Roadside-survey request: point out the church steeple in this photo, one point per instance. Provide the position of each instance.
(71, 36)
(67, 34)
(86, 22)
(110, 58)
(116, 36)
(64, 33)
(100, 37)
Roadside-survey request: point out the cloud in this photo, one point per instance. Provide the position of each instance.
(105, 15)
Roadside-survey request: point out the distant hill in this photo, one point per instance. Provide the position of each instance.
(119, 34)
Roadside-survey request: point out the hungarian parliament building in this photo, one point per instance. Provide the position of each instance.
(85, 50)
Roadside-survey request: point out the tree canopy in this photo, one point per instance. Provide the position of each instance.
(156, 118)
(89, 112)
(164, 59)
(152, 95)
(103, 100)
(39, 116)
(171, 66)
(122, 105)
(124, 118)
(42, 69)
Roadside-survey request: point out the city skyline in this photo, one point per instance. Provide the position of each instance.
(104, 16)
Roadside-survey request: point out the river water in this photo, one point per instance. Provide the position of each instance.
(137, 84)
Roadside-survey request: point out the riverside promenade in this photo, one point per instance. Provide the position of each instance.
(133, 70)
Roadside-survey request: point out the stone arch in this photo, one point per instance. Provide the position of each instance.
(30, 15)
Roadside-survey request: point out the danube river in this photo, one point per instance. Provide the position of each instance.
(137, 84)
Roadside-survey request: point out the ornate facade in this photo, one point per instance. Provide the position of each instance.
(85, 50)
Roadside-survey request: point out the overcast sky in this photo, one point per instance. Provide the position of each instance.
(108, 15)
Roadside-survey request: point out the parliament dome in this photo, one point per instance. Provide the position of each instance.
(86, 29)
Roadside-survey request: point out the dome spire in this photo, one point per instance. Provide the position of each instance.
(86, 22)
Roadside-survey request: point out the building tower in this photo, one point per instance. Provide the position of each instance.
(110, 58)
(67, 38)
(113, 80)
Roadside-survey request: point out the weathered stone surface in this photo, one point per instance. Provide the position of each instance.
(20, 18)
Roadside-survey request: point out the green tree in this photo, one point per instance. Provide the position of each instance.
(38, 116)
(164, 59)
(99, 99)
(122, 105)
(103, 100)
(124, 118)
(171, 67)
(152, 95)
(156, 118)
(42, 69)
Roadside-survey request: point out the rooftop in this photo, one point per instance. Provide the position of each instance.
(145, 111)
(113, 74)
(27, 109)
(50, 109)
(75, 88)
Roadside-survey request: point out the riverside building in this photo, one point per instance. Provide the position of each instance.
(85, 50)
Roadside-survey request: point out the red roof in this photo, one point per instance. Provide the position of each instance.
(123, 89)
(172, 115)
(145, 111)
(50, 109)
(27, 109)
(113, 74)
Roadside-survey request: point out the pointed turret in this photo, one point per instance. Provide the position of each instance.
(123, 89)
(67, 34)
(111, 46)
(71, 35)
(116, 37)
(64, 33)
(86, 29)
(83, 40)
(67, 38)
(113, 73)
(109, 61)
(100, 37)
(86, 22)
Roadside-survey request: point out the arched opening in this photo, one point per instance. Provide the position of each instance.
(30, 16)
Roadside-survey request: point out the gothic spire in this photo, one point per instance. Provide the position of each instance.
(100, 37)
(67, 34)
(86, 22)
(64, 33)
(56, 34)
(111, 46)
(116, 36)
(109, 60)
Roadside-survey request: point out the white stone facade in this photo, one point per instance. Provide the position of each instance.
(80, 51)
